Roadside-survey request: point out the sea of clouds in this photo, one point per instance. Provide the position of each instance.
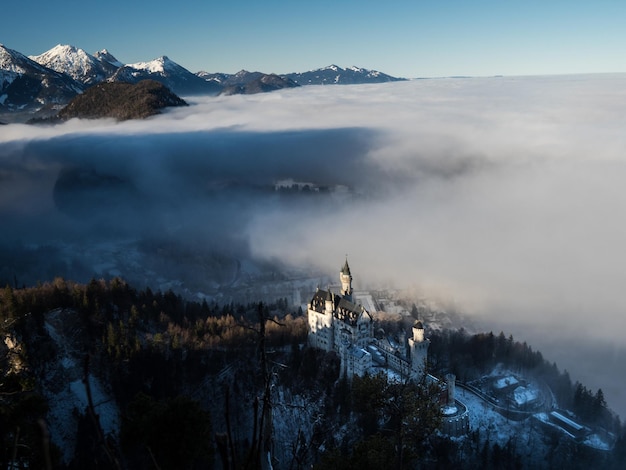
(503, 197)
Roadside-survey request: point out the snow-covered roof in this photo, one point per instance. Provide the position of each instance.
(358, 353)
(564, 419)
(524, 395)
(505, 382)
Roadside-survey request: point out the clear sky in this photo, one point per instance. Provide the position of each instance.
(408, 38)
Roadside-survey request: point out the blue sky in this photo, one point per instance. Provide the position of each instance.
(403, 38)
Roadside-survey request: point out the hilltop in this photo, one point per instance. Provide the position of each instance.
(121, 101)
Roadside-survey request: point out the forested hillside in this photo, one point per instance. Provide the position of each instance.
(151, 380)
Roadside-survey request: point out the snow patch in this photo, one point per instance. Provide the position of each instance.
(104, 405)
(65, 390)
(596, 441)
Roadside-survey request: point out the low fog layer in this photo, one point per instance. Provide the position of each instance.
(501, 197)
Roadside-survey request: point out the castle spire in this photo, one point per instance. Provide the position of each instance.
(346, 280)
(346, 268)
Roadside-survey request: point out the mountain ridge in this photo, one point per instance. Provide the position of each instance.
(335, 75)
(263, 84)
(164, 70)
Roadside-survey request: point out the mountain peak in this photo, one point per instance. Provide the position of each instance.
(64, 48)
(159, 65)
(75, 62)
(105, 56)
(60, 53)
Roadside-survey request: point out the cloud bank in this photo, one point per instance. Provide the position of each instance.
(502, 196)
(498, 193)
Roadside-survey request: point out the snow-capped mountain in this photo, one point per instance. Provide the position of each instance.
(335, 75)
(44, 83)
(78, 64)
(26, 85)
(331, 75)
(177, 78)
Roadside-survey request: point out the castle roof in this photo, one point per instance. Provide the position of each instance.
(343, 308)
(321, 296)
(345, 304)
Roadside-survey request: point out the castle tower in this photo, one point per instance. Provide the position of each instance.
(418, 332)
(346, 281)
(418, 346)
(450, 382)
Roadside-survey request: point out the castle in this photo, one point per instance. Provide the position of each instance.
(337, 323)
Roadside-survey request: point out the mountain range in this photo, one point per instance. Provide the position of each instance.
(41, 85)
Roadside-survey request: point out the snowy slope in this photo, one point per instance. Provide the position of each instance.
(65, 390)
(215, 77)
(13, 64)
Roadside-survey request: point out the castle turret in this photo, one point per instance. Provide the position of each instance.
(346, 281)
(329, 302)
